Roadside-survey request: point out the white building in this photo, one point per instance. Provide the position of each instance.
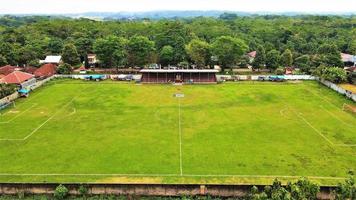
(52, 60)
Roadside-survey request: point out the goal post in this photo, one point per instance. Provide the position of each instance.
(349, 108)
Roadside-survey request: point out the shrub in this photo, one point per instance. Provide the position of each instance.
(333, 74)
(64, 69)
(279, 71)
(61, 192)
(83, 190)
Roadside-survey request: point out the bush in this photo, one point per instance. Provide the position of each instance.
(333, 74)
(83, 190)
(7, 89)
(302, 189)
(346, 190)
(64, 69)
(279, 71)
(61, 192)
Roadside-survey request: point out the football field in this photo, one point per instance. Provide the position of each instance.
(245, 132)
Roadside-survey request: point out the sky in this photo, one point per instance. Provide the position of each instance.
(78, 6)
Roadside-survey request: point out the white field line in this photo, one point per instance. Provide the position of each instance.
(316, 130)
(173, 175)
(180, 139)
(320, 133)
(323, 98)
(35, 130)
(18, 115)
(336, 117)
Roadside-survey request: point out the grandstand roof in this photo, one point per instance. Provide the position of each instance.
(180, 70)
(16, 77)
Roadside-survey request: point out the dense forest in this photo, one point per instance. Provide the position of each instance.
(306, 42)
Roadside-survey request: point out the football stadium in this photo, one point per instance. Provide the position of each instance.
(122, 132)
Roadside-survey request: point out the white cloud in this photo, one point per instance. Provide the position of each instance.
(75, 6)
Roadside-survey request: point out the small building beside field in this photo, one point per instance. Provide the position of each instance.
(19, 78)
(178, 75)
(92, 60)
(7, 69)
(348, 59)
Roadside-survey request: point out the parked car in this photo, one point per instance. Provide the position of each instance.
(263, 78)
(276, 78)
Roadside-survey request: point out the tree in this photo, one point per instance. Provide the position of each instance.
(286, 58)
(64, 69)
(60, 192)
(140, 49)
(174, 34)
(55, 46)
(111, 51)
(7, 89)
(333, 74)
(3, 60)
(346, 190)
(330, 55)
(166, 55)
(27, 54)
(304, 63)
(260, 59)
(300, 190)
(199, 52)
(272, 59)
(228, 50)
(70, 54)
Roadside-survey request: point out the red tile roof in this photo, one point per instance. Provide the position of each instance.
(16, 77)
(252, 54)
(82, 68)
(29, 69)
(5, 70)
(46, 70)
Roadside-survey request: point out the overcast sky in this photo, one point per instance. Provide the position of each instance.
(77, 6)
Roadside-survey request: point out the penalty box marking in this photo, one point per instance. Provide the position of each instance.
(41, 125)
(18, 115)
(319, 132)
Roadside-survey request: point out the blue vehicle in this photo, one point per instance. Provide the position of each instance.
(276, 78)
(97, 77)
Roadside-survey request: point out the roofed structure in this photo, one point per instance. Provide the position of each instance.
(16, 77)
(7, 69)
(178, 75)
(52, 60)
(46, 70)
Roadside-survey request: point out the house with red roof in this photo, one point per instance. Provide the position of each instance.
(7, 69)
(45, 71)
(348, 59)
(29, 69)
(251, 55)
(81, 70)
(22, 79)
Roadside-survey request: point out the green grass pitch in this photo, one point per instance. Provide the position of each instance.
(246, 132)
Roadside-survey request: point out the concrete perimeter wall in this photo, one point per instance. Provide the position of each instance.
(144, 189)
(255, 77)
(15, 95)
(338, 89)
